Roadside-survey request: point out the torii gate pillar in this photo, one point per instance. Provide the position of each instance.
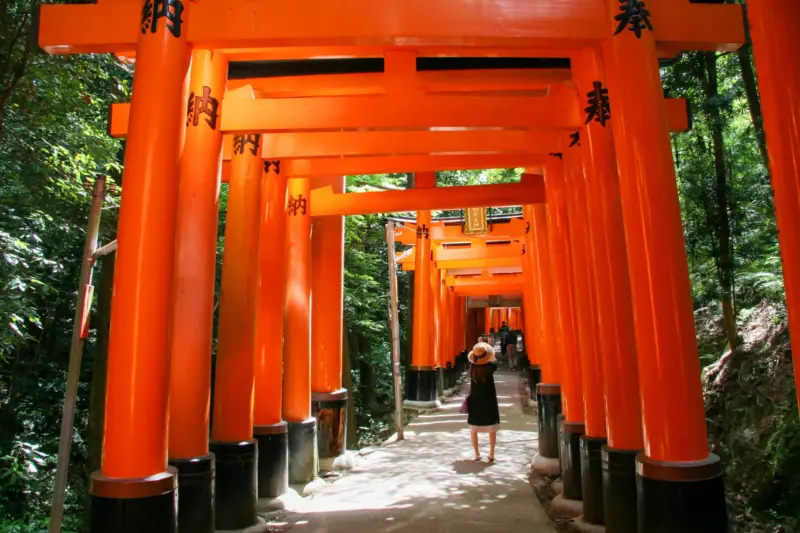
(773, 26)
(616, 506)
(192, 314)
(568, 349)
(303, 455)
(134, 489)
(328, 398)
(679, 483)
(232, 425)
(421, 374)
(269, 428)
(548, 392)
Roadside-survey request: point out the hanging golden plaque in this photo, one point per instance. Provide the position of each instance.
(475, 222)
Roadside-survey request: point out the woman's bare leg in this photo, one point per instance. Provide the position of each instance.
(492, 443)
(474, 435)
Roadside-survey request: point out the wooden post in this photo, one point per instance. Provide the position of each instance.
(328, 398)
(82, 304)
(773, 26)
(269, 429)
(679, 483)
(398, 391)
(232, 443)
(303, 456)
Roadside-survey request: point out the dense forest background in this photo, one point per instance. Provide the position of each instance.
(53, 143)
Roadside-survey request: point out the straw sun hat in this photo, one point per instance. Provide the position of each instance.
(481, 354)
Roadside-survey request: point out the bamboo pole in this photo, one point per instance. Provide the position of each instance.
(398, 392)
(82, 306)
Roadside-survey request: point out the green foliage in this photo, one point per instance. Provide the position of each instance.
(53, 142)
(756, 263)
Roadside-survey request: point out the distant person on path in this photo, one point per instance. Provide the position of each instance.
(491, 336)
(503, 334)
(483, 412)
(511, 349)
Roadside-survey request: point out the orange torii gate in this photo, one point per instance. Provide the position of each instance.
(456, 254)
(586, 281)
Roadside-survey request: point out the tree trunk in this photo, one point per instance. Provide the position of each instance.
(722, 226)
(97, 401)
(745, 55)
(351, 439)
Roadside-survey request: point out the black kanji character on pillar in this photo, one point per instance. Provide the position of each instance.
(422, 231)
(202, 105)
(170, 10)
(576, 139)
(297, 205)
(240, 142)
(599, 108)
(558, 155)
(523, 249)
(634, 15)
(276, 164)
(527, 228)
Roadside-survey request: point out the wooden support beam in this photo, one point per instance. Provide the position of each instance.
(560, 110)
(507, 291)
(534, 136)
(484, 281)
(234, 24)
(513, 229)
(489, 264)
(435, 81)
(495, 251)
(325, 202)
(349, 166)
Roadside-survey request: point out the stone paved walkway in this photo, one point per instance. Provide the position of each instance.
(429, 483)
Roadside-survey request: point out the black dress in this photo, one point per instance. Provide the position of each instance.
(483, 412)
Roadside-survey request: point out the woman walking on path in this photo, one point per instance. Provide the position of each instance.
(483, 413)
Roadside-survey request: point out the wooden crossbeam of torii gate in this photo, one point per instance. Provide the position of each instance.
(281, 116)
(113, 25)
(514, 228)
(485, 285)
(444, 257)
(530, 190)
(530, 81)
(492, 264)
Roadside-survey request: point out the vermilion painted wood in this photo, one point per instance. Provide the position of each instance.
(234, 373)
(610, 265)
(112, 26)
(268, 343)
(135, 437)
(584, 297)
(531, 137)
(192, 313)
(421, 353)
(669, 369)
(776, 42)
(297, 328)
(327, 284)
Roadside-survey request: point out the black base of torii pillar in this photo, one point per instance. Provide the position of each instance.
(235, 490)
(273, 459)
(421, 385)
(685, 497)
(196, 511)
(134, 505)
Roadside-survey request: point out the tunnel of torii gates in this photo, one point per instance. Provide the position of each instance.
(568, 90)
